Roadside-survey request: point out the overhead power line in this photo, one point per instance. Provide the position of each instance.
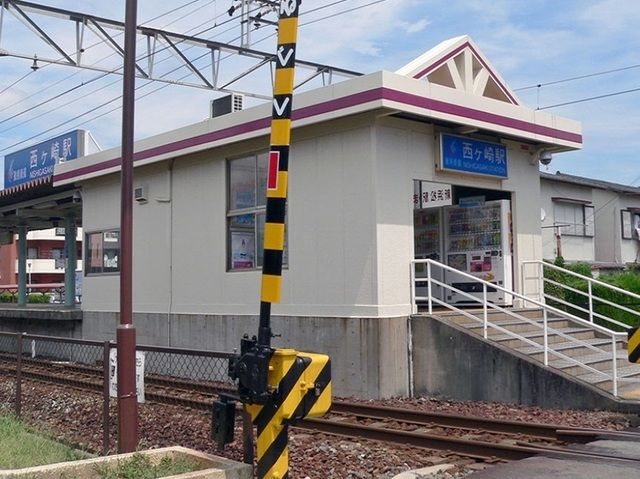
(63, 124)
(591, 98)
(342, 12)
(580, 77)
(17, 81)
(142, 57)
(51, 85)
(115, 36)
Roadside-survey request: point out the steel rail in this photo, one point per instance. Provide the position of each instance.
(157, 392)
(546, 431)
(476, 449)
(540, 430)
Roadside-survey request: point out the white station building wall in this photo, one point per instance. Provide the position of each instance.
(350, 224)
(180, 243)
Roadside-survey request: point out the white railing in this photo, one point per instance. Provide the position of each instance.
(47, 265)
(486, 306)
(591, 300)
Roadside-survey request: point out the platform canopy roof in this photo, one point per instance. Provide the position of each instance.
(38, 205)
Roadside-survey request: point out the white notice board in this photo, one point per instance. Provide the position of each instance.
(113, 374)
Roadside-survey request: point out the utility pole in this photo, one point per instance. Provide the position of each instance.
(558, 235)
(126, 333)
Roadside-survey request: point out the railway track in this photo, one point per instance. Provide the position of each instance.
(479, 438)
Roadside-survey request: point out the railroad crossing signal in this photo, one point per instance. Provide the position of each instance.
(276, 386)
(296, 385)
(633, 346)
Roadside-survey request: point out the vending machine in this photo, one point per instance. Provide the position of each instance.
(427, 228)
(477, 241)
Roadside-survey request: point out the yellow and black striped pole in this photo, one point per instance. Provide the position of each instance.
(272, 444)
(277, 387)
(277, 176)
(633, 346)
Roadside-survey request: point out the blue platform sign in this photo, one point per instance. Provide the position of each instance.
(477, 157)
(38, 160)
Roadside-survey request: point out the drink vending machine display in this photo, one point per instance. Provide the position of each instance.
(477, 241)
(427, 227)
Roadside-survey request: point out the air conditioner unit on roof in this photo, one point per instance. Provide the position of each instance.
(226, 104)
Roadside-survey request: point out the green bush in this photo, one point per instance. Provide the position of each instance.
(39, 298)
(628, 281)
(577, 297)
(7, 298)
(36, 298)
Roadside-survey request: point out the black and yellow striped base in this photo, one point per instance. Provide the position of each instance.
(302, 385)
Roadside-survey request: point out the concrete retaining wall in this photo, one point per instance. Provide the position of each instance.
(369, 356)
(62, 323)
(451, 363)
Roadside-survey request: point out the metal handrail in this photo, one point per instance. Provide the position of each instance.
(513, 314)
(522, 338)
(589, 295)
(615, 336)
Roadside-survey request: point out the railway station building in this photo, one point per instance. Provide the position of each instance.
(379, 164)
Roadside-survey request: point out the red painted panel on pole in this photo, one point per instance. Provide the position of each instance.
(274, 164)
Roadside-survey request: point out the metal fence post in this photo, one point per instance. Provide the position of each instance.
(412, 276)
(546, 336)
(19, 340)
(485, 313)
(429, 287)
(106, 426)
(590, 301)
(615, 364)
(541, 283)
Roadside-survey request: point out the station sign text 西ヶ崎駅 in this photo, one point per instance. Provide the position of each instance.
(38, 160)
(465, 155)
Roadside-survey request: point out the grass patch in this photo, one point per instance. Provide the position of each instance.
(20, 447)
(140, 466)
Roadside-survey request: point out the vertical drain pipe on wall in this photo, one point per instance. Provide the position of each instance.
(170, 311)
(170, 255)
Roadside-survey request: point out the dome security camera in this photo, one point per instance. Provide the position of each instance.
(545, 157)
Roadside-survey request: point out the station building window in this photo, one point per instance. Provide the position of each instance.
(574, 217)
(246, 212)
(102, 252)
(630, 223)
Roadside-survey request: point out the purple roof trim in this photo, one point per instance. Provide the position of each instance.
(170, 147)
(449, 108)
(339, 104)
(452, 54)
(306, 112)
(326, 107)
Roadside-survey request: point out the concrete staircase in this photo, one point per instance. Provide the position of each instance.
(573, 348)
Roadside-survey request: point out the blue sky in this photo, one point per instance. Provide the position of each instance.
(528, 42)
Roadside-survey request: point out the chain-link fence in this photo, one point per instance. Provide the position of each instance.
(71, 382)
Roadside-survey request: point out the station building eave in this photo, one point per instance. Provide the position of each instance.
(386, 91)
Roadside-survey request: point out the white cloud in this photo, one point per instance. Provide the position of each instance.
(414, 27)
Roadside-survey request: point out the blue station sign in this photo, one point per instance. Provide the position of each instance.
(38, 160)
(459, 153)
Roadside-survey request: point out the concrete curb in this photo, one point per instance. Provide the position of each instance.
(425, 471)
(214, 467)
